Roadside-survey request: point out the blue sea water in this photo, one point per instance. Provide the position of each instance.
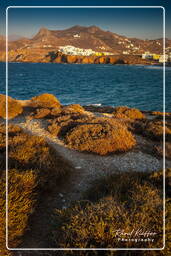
(112, 85)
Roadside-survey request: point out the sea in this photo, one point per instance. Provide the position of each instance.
(135, 86)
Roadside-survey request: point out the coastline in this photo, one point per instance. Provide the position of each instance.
(26, 56)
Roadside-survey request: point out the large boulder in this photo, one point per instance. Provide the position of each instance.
(14, 107)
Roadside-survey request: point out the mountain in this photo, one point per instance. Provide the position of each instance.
(14, 37)
(43, 33)
(91, 37)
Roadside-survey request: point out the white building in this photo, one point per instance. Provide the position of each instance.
(71, 50)
(125, 52)
(76, 36)
(164, 58)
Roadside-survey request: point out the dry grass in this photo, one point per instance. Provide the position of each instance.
(41, 113)
(87, 133)
(57, 124)
(13, 130)
(32, 152)
(45, 101)
(34, 167)
(121, 109)
(64, 122)
(55, 111)
(22, 184)
(120, 115)
(154, 130)
(159, 150)
(73, 108)
(158, 113)
(127, 201)
(132, 200)
(26, 150)
(21, 202)
(126, 112)
(100, 136)
(3, 250)
(14, 107)
(22, 196)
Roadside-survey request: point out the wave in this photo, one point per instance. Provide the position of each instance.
(154, 67)
(95, 104)
(158, 68)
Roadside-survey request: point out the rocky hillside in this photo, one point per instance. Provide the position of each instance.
(88, 37)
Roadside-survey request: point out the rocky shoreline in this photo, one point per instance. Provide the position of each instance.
(71, 124)
(44, 56)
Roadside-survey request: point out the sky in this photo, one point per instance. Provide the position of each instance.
(144, 23)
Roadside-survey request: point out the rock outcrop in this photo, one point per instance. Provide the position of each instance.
(14, 107)
(44, 56)
(45, 100)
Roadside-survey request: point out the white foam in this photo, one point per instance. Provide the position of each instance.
(94, 104)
